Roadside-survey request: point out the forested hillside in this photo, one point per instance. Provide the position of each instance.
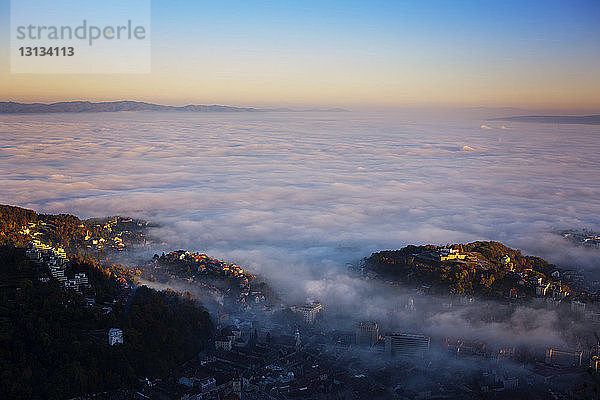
(54, 341)
(481, 270)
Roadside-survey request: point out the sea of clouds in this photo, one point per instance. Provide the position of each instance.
(296, 196)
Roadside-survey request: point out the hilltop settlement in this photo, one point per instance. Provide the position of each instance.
(76, 321)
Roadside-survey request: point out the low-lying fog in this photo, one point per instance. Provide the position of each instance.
(295, 196)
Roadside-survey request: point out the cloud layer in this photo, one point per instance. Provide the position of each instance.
(301, 193)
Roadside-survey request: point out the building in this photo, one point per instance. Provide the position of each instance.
(71, 284)
(466, 347)
(229, 337)
(81, 278)
(542, 289)
(236, 386)
(510, 383)
(563, 358)
(367, 333)
(578, 307)
(446, 254)
(404, 344)
(206, 384)
(559, 293)
(115, 336)
(308, 311)
(58, 274)
(507, 262)
(223, 342)
(595, 363)
(55, 259)
(34, 254)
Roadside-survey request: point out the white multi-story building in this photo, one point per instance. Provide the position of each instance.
(81, 278)
(71, 284)
(58, 274)
(115, 336)
(55, 259)
(34, 254)
(308, 311)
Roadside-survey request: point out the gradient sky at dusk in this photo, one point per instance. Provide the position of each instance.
(529, 54)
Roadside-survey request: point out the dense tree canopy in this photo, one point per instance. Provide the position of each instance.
(484, 274)
(52, 345)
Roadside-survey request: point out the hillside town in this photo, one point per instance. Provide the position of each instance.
(53, 263)
(263, 348)
(263, 356)
(257, 354)
(262, 359)
(584, 238)
(116, 233)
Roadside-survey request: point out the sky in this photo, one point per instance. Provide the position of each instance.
(537, 55)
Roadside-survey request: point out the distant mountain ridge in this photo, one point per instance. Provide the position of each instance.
(10, 107)
(109, 106)
(554, 119)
